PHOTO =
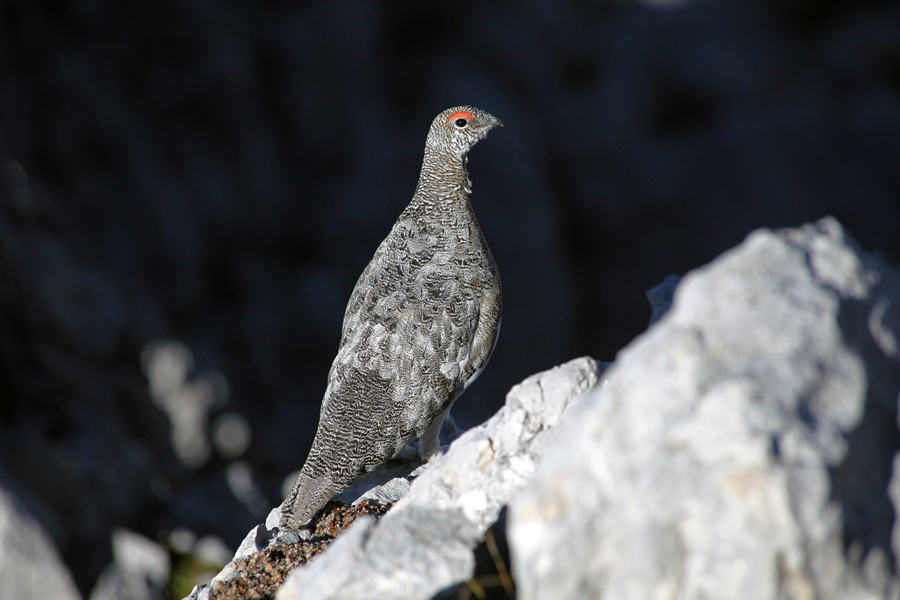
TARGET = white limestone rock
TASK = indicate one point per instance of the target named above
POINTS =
(424, 543)
(139, 571)
(742, 448)
(30, 566)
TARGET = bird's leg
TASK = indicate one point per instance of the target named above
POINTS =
(429, 442)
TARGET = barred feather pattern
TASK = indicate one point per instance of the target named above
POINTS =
(420, 325)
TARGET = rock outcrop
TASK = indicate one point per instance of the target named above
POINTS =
(425, 542)
(744, 447)
(30, 565)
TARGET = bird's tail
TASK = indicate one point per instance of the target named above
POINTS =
(307, 496)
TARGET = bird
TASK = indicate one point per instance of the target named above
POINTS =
(419, 327)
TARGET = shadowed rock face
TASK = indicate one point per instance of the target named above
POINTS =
(219, 176)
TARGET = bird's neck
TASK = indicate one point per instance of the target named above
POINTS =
(443, 182)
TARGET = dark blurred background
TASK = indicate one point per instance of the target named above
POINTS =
(191, 188)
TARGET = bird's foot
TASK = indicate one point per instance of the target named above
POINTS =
(409, 453)
(431, 451)
(415, 450)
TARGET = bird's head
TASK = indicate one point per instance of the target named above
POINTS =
(457, 129)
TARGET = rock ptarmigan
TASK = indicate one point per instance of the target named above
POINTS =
(419, 327)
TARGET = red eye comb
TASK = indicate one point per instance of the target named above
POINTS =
(460, 115)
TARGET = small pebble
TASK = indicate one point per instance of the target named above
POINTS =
(289, 538)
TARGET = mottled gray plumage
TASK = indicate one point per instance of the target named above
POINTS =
(419, 327)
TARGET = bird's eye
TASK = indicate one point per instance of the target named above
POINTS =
(461, 119)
